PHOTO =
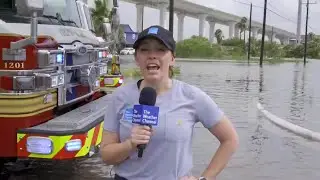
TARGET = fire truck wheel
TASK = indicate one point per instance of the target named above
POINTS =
(4, 174)
(1, 165)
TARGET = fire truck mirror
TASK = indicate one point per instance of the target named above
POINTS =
(29, 7)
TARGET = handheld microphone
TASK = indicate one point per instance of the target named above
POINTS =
(146, 113)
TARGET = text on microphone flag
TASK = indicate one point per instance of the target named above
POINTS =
(145, 115)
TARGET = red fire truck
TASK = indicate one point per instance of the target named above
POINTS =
(51, 73)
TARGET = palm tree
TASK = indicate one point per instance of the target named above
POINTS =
(311, 36)
(99, 14)
(219, 35)
(242, 25)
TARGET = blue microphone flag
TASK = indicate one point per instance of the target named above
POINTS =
(145, 115)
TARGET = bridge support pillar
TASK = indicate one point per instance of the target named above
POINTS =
(140, 8)
(212, 31)
(236, 32)
(271, 37)
(202, 20)
(232, 29)
(163, 14)
(180, 26)
(254, 31)
(284, 40)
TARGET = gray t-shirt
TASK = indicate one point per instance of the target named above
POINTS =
(168, 155)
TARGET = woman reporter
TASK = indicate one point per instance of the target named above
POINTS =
(168, 154)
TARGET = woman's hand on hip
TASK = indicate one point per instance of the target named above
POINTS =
(140, 135)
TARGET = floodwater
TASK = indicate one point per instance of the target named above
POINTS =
(266, 152)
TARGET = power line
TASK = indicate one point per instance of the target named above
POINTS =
(308, 17)
(267, 9)
(269, 3)
(288, 19)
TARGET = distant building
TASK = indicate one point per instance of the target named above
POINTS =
(129, 35)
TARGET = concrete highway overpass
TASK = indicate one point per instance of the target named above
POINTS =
(184, 8)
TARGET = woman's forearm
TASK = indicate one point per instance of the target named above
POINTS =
(115, 153)
(220, 159)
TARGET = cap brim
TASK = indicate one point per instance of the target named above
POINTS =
(138, 41)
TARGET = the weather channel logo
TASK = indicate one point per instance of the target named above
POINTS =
(145, 115)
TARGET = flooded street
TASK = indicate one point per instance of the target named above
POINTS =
(266, 152)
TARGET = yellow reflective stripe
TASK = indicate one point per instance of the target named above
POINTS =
(20, 136)
(15, 106)
(58, 144)
(27, 101)
(115, 81)
(100, 134)
(26, 115)
(23, 96)
(9, 110)
(85, 148)
(60, 141)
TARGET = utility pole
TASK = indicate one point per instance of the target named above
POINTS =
(171, 13)
(142, 18)
(306, 33)
(249, 48)
(263, 32)
(299, 22)
(272, 34)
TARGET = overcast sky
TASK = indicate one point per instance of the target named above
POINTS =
(285, 8)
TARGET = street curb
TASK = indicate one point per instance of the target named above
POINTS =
(298, 130)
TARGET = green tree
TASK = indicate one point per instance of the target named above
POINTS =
(122, 40)
(242, 25)
(313, 49)
(200, 47)
(197, 47)
(219, 35)
(99, 14)
(311, 36)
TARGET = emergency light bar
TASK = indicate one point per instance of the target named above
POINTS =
(73, 145)
(102, 54)
(39, 145)
(47, 58)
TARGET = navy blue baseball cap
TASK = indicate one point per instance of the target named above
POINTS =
(158, 32)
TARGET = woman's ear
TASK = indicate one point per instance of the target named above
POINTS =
(172, 62)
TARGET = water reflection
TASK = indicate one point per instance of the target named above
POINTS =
(258, 136)
(247, 81)
(296, 104)
(260, 80)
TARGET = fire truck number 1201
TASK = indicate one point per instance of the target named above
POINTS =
(14, 65)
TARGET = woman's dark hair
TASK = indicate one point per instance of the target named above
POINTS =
(171, 72)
